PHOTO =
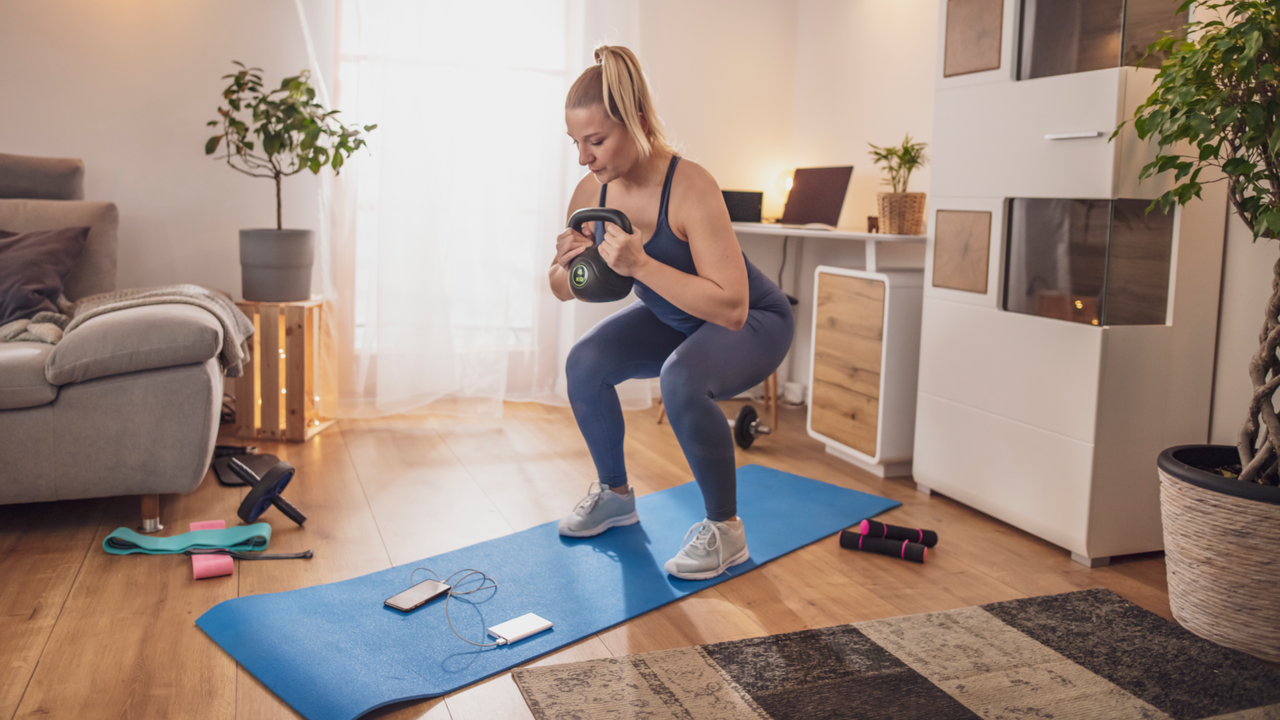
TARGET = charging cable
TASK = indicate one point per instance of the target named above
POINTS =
(486, 583)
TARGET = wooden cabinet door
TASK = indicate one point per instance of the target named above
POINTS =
(848, 343)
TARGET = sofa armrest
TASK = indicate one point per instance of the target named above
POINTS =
(134, 339)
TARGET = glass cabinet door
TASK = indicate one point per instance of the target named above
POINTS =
(1070, 36)
(1097, 262)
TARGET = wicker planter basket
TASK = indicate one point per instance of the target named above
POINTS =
(1222, 550)
(901, 213)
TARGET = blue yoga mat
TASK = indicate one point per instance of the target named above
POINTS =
(334, 652)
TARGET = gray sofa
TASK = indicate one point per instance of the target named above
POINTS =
(129, 402)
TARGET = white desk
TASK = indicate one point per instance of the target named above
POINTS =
(870, 240)
(863, 345)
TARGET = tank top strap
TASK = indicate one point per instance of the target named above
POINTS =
(666, 189)
(599, 226)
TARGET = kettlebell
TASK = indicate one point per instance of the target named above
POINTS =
(590, 277)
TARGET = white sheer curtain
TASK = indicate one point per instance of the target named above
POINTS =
(434, 262)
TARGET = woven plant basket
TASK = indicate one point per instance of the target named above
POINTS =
(901, 213)
(1222, 550)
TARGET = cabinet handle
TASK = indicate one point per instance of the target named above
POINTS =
(1073, 136)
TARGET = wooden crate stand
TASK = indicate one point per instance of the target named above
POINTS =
(281, 366)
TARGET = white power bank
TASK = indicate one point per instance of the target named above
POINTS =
(520, 628)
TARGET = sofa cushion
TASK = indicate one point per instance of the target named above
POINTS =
(22, 375)
(33, 267)
(95, 269)
(133, 339)
(45, 178)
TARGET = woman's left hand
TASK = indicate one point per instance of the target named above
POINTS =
(623, 252)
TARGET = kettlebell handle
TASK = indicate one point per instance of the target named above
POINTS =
(588, 214)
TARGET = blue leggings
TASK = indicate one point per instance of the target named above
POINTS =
(712, 363)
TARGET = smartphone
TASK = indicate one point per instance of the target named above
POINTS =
(416, 595)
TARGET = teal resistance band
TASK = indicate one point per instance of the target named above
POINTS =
(243, 538)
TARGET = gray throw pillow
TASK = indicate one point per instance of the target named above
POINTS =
(33, 266)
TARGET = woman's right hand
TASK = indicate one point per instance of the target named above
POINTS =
(570, 244)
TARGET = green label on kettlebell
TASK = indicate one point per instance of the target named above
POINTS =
(578, 276)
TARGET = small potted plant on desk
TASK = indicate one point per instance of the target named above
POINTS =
(275, 134)
(901, 212)
(1220, 504)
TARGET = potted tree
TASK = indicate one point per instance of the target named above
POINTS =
(1215, 114)
(275, 134)
(901, 212)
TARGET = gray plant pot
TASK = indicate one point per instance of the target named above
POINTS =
(275, 265)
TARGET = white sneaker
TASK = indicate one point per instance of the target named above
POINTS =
(600, 510)
(716, 547)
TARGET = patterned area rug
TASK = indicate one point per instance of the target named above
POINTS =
(1088, 654)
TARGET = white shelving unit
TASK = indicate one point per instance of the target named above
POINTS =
(1050, 425)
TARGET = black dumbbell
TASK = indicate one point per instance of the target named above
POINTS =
(265, 491)
(590, 277)
(747, 427)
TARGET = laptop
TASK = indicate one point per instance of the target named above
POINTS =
(816, 197)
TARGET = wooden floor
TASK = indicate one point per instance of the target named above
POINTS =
(84, 634)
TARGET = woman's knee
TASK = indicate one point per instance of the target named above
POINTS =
(681, 383)
(586, 363)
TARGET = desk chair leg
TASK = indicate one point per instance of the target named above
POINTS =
(151, 514)
(771, 398)
(662, 412)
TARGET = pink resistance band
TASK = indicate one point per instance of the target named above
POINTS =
(211, 566)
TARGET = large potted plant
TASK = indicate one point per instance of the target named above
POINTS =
(274, 134)
(901, 212)
(1214, 114)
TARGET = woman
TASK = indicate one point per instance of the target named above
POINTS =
(708, 323)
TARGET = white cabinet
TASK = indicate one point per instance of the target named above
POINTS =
(1050, 418)
(866, 344)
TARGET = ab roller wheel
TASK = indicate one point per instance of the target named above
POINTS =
(265, 491)
(590, 277)
(747, 427)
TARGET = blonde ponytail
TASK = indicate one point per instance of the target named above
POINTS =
(617, 76)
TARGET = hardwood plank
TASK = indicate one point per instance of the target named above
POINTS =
(810, 588)
(423, 497)
(125, 644)
(706, 617)
(42, 548)
(526, 481)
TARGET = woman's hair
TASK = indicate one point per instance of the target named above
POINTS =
(617, 76)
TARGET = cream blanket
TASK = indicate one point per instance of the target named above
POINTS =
(50, 327)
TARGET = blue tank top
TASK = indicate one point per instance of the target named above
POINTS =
(665, 247)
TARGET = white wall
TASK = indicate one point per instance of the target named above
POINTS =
(722, 72)
(127, 86)
(864, 74)
(1247, 272)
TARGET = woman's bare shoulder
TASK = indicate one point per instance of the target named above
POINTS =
(695, 181)
(696, 200)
